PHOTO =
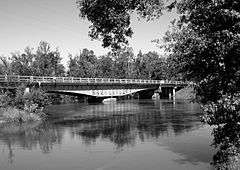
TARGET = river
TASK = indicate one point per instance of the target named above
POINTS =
(122, 135)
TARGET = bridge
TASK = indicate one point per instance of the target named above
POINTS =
(94, 88)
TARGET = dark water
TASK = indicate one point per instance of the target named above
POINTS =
(126, 135)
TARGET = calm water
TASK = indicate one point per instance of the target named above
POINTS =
(129, 135)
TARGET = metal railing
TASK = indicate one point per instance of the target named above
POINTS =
(38, 79)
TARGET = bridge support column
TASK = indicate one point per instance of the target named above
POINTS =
(170, 95)
(174, 92)
(159, 91)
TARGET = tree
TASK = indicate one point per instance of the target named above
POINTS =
(206, 44)
(111, 18)
(5, 66)
(172, 69)
(123, 59)
(73, 66)
(155, 66)
(47, 61)
(140, 67)
(22, 64)
(105, 67)
(149, 66)
(43, 62)
(83, 65)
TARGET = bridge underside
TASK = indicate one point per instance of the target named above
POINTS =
(100, 93)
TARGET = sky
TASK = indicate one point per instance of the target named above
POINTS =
(27, 22)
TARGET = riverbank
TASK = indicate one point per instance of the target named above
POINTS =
(187, 93)
(20, 106)
(14, 115)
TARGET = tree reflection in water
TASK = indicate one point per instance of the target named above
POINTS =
(30, 136)
(146, 121)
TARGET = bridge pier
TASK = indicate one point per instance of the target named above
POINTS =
(174, 93)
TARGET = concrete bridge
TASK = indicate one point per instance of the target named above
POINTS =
(95, 88)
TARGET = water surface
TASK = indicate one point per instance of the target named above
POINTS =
(126, 135)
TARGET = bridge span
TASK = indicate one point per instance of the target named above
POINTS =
(96, 88)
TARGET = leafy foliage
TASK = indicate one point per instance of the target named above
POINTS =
(105, 67)
(34, 97)
(5, 66)
(226, 138)
(83, 65)
(120, 64)
(123, 61)
(111, 18)
(205, 42)
(18, 116)
(47, 61)
(21, 106)
(6, 99)
(43, 62)
(22, 64)
(225, 110)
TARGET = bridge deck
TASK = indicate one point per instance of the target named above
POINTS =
(78, 80)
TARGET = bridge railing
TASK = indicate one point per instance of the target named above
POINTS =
(17, 78)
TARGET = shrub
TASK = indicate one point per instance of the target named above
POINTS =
(35, 96)
(225, 110)
(11, 114)
(6, 99)
(21, 106)
(224, 115)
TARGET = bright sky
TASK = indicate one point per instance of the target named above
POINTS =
(26, 22)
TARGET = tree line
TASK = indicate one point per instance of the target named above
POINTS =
(46, 61)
